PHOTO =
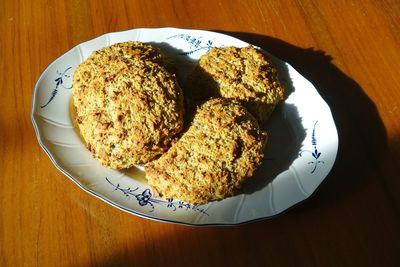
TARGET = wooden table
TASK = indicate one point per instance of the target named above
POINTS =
(348, 49)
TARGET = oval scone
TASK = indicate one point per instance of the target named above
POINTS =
(220, 150)
(128, 109)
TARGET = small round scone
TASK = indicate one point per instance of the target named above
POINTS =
(220, 150)
(244, 74)
(128, 110)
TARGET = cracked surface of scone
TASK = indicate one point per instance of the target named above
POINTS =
(220, 150)
(130, 50)
(128, 109)
(244, 74)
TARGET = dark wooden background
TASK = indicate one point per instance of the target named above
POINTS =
(348, 49)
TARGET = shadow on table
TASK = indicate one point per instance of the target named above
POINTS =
(362, 140)
(362, 136)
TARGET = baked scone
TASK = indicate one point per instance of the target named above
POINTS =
(128, 109)
(220, 150)
(131, 50)
(244, 74)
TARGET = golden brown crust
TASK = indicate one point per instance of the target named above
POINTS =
(244, 74)
(221, 149)
(128, 107)
(131, 50)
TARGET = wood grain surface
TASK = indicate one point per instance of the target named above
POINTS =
(348, 49)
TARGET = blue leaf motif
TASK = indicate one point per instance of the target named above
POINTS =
(59, 82)
(52, 96)
(313, 137)
(315, 154)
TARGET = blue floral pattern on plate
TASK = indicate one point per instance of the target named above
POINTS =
(196, 44)
(59, 82)
(315, 154)
(146, 199)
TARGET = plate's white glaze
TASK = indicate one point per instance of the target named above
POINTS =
(301, 150)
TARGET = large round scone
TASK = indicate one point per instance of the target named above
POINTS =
(128, 110)
(220, 150)
(244, 74)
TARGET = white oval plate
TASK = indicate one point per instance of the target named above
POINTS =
(301, 149)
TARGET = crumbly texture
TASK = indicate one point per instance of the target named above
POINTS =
(220, 150)
(131, 50)
(128, 108)
(244, 74)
